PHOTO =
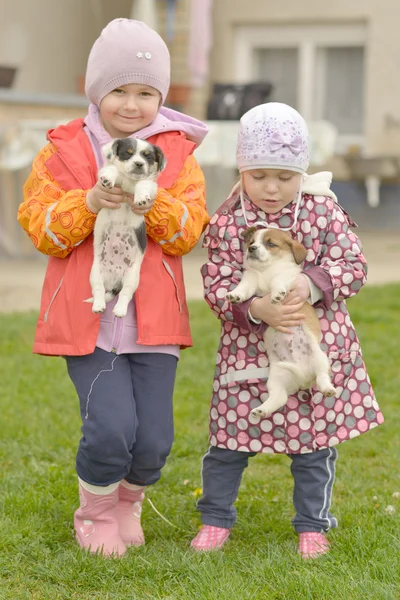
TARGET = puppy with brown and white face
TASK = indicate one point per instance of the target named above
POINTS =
(272, 261)
(120, 235)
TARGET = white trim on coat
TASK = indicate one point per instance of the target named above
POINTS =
(243, 375)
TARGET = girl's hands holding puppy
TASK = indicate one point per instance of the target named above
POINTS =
(286, 314)
(281, 316)
(300, 291)
(100, 197)
(139, 210)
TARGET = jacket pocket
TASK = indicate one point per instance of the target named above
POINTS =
(342, 365)
(46, 314)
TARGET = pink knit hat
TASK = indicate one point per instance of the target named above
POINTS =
(127, 51)
(272, 136)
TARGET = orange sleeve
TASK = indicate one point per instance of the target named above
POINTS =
(56, 221)
(179, 214)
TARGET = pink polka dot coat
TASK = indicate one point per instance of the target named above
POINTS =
(335, 263)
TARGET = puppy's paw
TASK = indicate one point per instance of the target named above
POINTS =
(145, 193)
(120, 311)
(324, 385)
(278, 296)
(99, 306)
(142, 200)
(234, 297)
(106, 182)
(260, 412)
(330, 392)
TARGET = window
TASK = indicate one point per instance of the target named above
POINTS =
(318, 69)
(279, 66)
(341, 99)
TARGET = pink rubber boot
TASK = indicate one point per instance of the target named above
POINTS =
(95, 522)
(129, 509)
(312, 544)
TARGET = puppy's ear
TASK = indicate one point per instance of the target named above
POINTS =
(110, 150)
(247, 233)
(160, 158)
(298, 250)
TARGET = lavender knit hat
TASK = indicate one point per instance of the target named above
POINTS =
(272, 136)
(127, 51)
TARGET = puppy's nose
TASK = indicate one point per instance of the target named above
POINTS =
(138, 164)
(252, 249)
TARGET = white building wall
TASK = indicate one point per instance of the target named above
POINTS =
(49, 40)
(380, 19)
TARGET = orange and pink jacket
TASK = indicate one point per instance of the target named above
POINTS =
(56, 218)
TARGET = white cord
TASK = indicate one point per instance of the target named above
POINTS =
(162, 516)
(264, 223)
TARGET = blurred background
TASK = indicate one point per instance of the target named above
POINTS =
(336, 62)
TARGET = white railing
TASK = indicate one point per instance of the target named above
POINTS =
(20, 142)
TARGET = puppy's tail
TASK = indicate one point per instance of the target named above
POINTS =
(107, 297)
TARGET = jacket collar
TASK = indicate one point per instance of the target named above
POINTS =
(75, 151)
(166, 120)
(78, 163)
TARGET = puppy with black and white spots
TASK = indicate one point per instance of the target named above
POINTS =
(272, 262)
(120, 235)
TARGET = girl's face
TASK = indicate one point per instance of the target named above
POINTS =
(271, 189)
(128, 109)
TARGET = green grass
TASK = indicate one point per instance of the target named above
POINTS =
(40, 430)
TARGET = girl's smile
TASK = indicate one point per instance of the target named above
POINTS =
(129, 108)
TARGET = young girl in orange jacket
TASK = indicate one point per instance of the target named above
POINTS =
(123, 369)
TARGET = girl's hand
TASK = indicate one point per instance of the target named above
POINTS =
(279, 316)
(300, 291)
(99, 197)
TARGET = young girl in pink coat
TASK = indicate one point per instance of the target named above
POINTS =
(274, 191)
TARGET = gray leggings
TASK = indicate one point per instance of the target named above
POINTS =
(127, 419)
(313, 475)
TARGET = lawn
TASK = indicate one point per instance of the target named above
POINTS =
(39, 434)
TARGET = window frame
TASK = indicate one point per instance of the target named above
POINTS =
(307, 39)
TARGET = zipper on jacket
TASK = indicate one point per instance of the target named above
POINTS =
(116, 339)
(170, 272)
(46, 314)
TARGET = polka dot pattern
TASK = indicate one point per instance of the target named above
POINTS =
(309, 421)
